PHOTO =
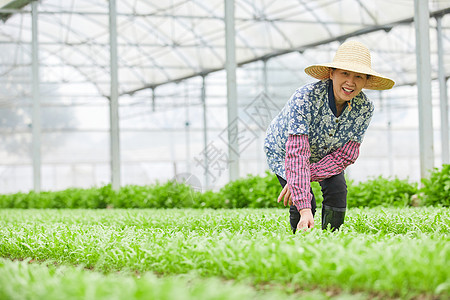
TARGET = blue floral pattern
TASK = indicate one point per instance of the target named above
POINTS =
(308, 112)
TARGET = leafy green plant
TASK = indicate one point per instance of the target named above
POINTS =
(381, 192)
(258, 192)
(208, 199)
(317, 191)
(436, 189)
(389, 248)
(251, 191)
(30, 280)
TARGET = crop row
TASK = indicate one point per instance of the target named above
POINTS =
(25, 280)
(378, 221)
(396, 252)
(251, 191)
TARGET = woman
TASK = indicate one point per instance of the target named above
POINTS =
(318, 134)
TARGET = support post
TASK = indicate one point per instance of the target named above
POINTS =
(261, 162)
(205, 131)
(390, 147)
(153, 100)
(187, 128)
(233, 129)
(36, 118)
(265, 81)
(443, 95)
(114, 99)
(421, 21)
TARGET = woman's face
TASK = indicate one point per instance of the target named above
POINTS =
(347, 84)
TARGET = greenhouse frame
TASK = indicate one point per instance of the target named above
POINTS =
(137, 92)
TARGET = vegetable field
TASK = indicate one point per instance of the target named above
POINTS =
(383, 253)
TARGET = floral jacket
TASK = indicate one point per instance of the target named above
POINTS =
(308, 113)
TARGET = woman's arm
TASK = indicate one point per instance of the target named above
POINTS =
(298, 178)
(298, 170)
(335, 162)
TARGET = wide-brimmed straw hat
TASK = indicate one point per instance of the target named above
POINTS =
(352, 56)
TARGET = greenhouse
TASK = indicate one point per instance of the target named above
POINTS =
(224, 149)
(134, 92)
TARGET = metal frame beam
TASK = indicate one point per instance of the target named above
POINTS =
(232, 109)
(421, 22)
(114, 99)
(205, 131)
(366, 30)
(442, 95)
(36, 121)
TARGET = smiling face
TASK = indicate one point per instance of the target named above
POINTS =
(346, 84)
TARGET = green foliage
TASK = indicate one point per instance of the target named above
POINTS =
(436, 189)
(207, 199)
(28, 280)
(250, 191)
(69, 198)
(388, 253)
(381, 192)
(168, 195)
(317, 191)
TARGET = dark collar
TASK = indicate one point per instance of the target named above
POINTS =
(331, 101)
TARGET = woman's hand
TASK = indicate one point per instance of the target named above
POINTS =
(286, 193)
(306, 219)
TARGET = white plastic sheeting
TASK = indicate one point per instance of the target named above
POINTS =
(161, 41)
(159, 44)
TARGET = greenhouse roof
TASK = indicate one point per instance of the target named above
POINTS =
(168, 41)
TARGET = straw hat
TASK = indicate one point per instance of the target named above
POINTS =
(352, 56)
